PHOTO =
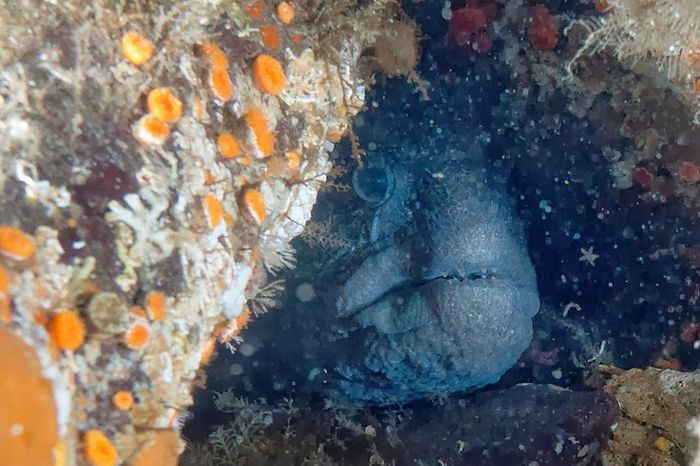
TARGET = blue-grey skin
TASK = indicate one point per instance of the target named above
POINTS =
(445, 302)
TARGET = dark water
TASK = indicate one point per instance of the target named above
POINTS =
(608, 292)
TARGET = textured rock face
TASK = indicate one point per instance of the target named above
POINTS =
(527, 424)
(445, 301)
(156, 157)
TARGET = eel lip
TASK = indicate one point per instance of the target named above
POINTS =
(482, 279)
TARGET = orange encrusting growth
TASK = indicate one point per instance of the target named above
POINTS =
(294, 160)
(689, 172)
(67, 330)
(270, 37)
(5, 281)
(228, 218)
(264, 139)
(220, 83)
(335, 135)
(138, 311)
(16, 244)
(164, 104)
(214, 54)
(243, 319)
(98, 449)
(155, 305)
(162, 450)
(285, 12)
(5, 311)
(254, 205)
(224, 333)
(208, 352)
(151, 130)
(228, 145)
(602, 6)
(213, 209)
(26, 400)
(256, 10)
(268, 74)
(123, 400)
(138, 335)
(197, 108)
(136, 48)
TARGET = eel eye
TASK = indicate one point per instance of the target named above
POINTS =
(374, 184)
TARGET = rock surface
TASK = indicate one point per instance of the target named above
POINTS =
(156, 157)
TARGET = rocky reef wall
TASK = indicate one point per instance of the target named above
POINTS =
(157, 157)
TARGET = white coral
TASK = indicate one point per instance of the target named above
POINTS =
(153, 241)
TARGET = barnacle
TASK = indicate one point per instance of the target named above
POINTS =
(123, 400)
(136, 48)
(138, 335)
(285, 12)
(107, 313)
(228, 145)
(151, 130)
(67, 330)
(155, 304)
(264, 139)
(214, 54)
(99, 449)
(220, 83)
(164, 104)
(254, 204)
(213, 210)
(268, 74)
(16, 244)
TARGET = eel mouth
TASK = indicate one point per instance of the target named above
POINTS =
(355, 298)
(347, 306)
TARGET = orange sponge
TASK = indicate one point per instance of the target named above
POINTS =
(28, 430)
(264, 139)
(99, 449)
(16, 244)
(67, 330)
(136, 48)
(268, 74)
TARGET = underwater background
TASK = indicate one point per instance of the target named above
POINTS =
(349, 232)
